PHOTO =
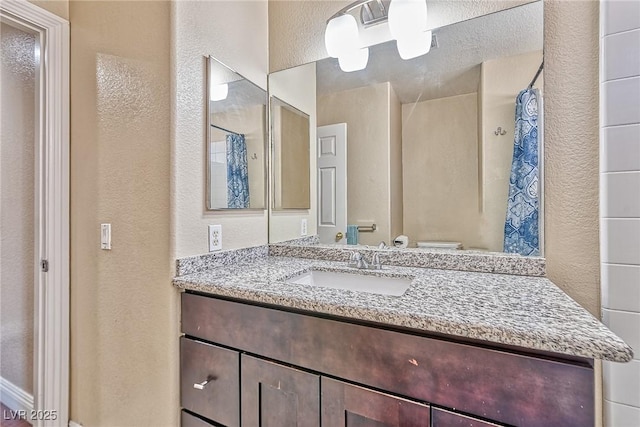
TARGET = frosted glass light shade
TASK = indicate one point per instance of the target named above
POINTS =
(407, 17)
(219, 92)
(354, 60)
(341, 35)
(414, 45)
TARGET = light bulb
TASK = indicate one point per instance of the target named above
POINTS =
(341, 35)
(219, 92)
(407, 17)
(354, 60)
(412, 46)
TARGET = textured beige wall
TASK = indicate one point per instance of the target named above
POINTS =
(366, 112)
(57, 7)
(440, 159)
(235, 33)
(297, 87)
(296, 27)
(571, 49)
(124, 311)
(17, 205)
(502, 80)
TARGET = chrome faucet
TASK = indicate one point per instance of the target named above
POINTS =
(358, 261)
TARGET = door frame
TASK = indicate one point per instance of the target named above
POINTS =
(51, 347)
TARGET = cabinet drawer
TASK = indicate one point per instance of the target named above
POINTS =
(498, 385)
(442, 418)
(219, 398)
(349, 405)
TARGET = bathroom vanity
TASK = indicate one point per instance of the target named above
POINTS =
(456, 349)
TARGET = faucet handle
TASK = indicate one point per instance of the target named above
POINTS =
(375, 261)
(354, 258)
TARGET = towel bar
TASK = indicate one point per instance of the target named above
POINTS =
(367, 228)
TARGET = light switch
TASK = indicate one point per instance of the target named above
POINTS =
(105, 237)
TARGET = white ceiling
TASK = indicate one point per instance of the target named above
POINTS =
(451, 69)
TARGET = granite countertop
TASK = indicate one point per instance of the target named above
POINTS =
(529, 312)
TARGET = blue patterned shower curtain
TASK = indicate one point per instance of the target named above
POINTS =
(237, 172)
(521, 226)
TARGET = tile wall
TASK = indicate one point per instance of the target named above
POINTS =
(620, 202)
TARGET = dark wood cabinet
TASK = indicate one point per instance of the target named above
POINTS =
(443, 418)
(273, 395)
(190, 420)
(210, 381)
(348, 405)
(300, 369)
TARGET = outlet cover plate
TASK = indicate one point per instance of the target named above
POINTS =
(303, 227)
(215, 237)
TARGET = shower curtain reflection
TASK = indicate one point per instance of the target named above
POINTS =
(237, 172)
(521, 226)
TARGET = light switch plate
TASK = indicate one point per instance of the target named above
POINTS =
(303, 227)
(105, 237)
(215, 237)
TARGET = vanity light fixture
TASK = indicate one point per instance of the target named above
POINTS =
(408, 25)
(380, 20)
(343, 42)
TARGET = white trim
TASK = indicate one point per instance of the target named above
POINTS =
(15, 398)
(74, 424)
(51, 372)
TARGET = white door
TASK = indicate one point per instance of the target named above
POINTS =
(34, 210)
(332, 183)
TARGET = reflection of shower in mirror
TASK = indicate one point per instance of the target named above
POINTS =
(423, 158)
(236, 127)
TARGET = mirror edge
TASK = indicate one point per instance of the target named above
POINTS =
(272, 154)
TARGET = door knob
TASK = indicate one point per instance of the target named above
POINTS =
(339, 236)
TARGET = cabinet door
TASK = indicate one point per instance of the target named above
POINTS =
(188, 420)
(442, 418)
(273, 395)
(352, 406)
(210, 381)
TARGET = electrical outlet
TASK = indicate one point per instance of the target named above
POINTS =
(215, 238)
(303, 227)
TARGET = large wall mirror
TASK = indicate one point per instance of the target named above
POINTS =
(429, 142)
(236, 140)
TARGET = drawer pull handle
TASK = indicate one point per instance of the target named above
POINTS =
(201, 386)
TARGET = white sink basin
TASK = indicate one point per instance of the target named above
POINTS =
(382, 285)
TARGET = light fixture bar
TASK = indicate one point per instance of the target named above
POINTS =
(403, 20)
(380, 5)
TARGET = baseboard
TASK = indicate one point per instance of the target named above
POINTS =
(74, 424)
(14, 397)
